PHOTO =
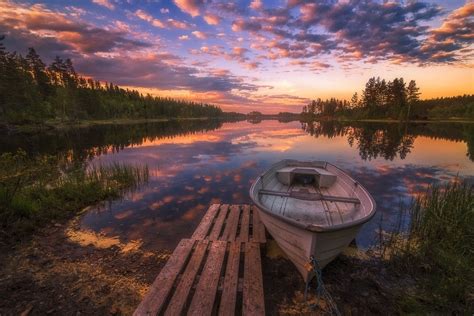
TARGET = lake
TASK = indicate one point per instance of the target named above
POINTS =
(195, 163)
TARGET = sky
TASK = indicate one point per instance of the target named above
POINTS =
(269, 56)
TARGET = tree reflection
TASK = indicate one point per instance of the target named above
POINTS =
(390, 140)
(86, 143)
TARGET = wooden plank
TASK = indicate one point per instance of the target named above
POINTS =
(206, 289)
(244, 224)
(231, 281)
(203, 228)
(309, 196)
(258, 228)
(180, 296)
(217, 228)
(230, 230)
(253, 302)
(156, 297)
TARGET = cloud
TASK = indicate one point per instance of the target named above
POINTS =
(147, 17)
(178, 24)
(360, 30)
(183, 37)
(192, 7)
(211, 19)
(199, 34)
(164, 10)
(105, 3)
(162, 71)
(256, 4)
(36, 22)
(449, 42)
(169, 23)
(246, 25)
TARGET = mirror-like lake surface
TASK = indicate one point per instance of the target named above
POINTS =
(195, 163)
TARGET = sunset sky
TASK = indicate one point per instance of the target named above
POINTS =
(268, 56)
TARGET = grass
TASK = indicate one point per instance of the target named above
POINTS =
(35, 191)
(437, 251)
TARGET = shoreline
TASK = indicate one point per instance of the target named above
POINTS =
(54, 125)
(64, 269)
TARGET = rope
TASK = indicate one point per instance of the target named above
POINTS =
(321, 291)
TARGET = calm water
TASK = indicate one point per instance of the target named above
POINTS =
(196, 163)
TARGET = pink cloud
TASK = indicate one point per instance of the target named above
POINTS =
(105, 3)
(192, 7)
(199, 34)
(212, 19)
(36, 22)
(256, 4)
(169, 23)
(147, 17)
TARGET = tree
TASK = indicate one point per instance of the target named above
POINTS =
(38, 69)
(413, 95)
(355, 100)
(370, 95)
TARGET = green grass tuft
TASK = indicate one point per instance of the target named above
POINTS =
(34, 191)
(438, 251)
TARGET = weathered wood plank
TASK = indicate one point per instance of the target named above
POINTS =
(309, 196)
(180, 296)
(258, 228)
(217, 228)
(206, 290)
(244, 224)
(203, 228)
(232, 223)
(156, 297)
(231, 282)
(253, 302)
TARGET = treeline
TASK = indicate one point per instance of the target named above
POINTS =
(391, 99)
(31, 91)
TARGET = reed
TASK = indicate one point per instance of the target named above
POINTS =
(437, 250)
(35, 191)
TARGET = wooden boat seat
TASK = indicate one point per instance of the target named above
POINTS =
(310, 196)
(322, 177)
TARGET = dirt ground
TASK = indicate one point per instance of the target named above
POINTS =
(63, 271)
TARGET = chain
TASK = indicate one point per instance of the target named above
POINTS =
(321, 291)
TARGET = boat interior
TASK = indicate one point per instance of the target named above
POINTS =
(311, 194)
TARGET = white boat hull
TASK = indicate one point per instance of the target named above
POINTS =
(321, 225)
(299, 244)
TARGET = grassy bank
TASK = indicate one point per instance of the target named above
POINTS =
(35, 191)
(437, 251)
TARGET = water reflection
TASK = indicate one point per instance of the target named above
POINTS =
(88, 142)
(195, 163)
(389, 140)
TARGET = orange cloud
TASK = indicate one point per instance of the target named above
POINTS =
(212, 19)
(192, 7)
(105, 3)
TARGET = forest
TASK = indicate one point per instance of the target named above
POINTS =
(33, 92)
(394, 99)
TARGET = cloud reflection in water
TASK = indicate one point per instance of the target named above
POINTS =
(187, 173)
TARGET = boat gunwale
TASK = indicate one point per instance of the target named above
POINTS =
(313, 227)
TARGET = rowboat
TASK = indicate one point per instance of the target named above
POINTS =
(311, 209)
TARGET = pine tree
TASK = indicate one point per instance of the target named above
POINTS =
(413, 95)
(355, 100)
(38, 69)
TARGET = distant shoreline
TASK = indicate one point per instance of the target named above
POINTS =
(57, 125)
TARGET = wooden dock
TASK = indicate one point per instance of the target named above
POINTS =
(218, 271)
